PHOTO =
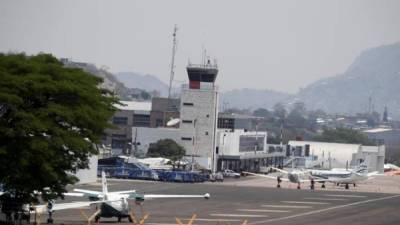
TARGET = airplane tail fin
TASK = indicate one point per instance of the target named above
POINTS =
(104, 182)
(362, 169)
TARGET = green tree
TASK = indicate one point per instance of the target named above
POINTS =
(297, 116)
(166, 148)
(51, 117)
(343, 135)
(280, 111)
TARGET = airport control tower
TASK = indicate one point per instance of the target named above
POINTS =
(199, 113)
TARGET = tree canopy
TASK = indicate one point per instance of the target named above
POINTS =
(343, 135)
(50, 119)
(166, 148)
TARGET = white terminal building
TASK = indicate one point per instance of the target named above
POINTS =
(336, 155)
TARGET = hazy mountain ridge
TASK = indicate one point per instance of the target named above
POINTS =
(252, 98)
(374, 74)
(147, 82)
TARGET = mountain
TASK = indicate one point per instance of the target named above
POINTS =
(252, 98)
(110, 82)
(149, 83)
(371, 82)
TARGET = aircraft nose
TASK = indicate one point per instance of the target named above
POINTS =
(207, 196)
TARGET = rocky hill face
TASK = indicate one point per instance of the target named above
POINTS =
(146, 82)
(110, 82)
(370, 83)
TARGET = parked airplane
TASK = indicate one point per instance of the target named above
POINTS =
(112, 204)
(334, 176)
(116, 203)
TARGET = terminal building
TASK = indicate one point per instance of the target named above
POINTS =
(334, 155)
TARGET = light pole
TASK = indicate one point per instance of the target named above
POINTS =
(193, 142)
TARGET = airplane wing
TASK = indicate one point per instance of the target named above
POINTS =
(267, 176)
(123, 192)
(151, 196)
(374, 173)
(88, 191)
(62, 206)
(85, 193)
(280, 170)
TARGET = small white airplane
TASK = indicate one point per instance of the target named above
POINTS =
(115, 204)
(112, 204)
(334, 176)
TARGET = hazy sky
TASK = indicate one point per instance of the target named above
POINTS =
(280, 45)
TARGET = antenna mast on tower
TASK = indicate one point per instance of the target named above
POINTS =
(172, 72)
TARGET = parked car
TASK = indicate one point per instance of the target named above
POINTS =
(231, 173)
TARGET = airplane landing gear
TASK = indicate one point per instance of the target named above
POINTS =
(354, 184)
(279, 182)
(50, 219)
(312, 186)
(96, 219)
(323, 185)
(347, 186)
(119, 219)
(298, 186)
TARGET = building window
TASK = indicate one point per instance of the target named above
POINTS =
(187, 121)
(118, 141)
(140, 120)
(120, 120)
(186, 138)
(251, 143)
(159, 122)
(188, 103)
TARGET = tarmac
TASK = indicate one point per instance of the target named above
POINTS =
(257, 201)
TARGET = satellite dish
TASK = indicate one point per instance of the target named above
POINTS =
(173, 122)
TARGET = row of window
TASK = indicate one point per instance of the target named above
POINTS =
(138, 120)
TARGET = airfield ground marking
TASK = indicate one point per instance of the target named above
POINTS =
(327, 199)
(347, 196)
(190, 222)
(311, 203)
(288, 206)
(324, 210)
(215, 220)
(237, 215)
(263, 210)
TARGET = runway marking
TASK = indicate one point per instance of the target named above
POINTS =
(347, 196)
(263, 210)
(327, 199)
(288, 206)
(215, 220)
(238, 215)
(311, 203)
(163, 224)
(324, 210)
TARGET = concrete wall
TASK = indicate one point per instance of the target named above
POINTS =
(199, 105)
